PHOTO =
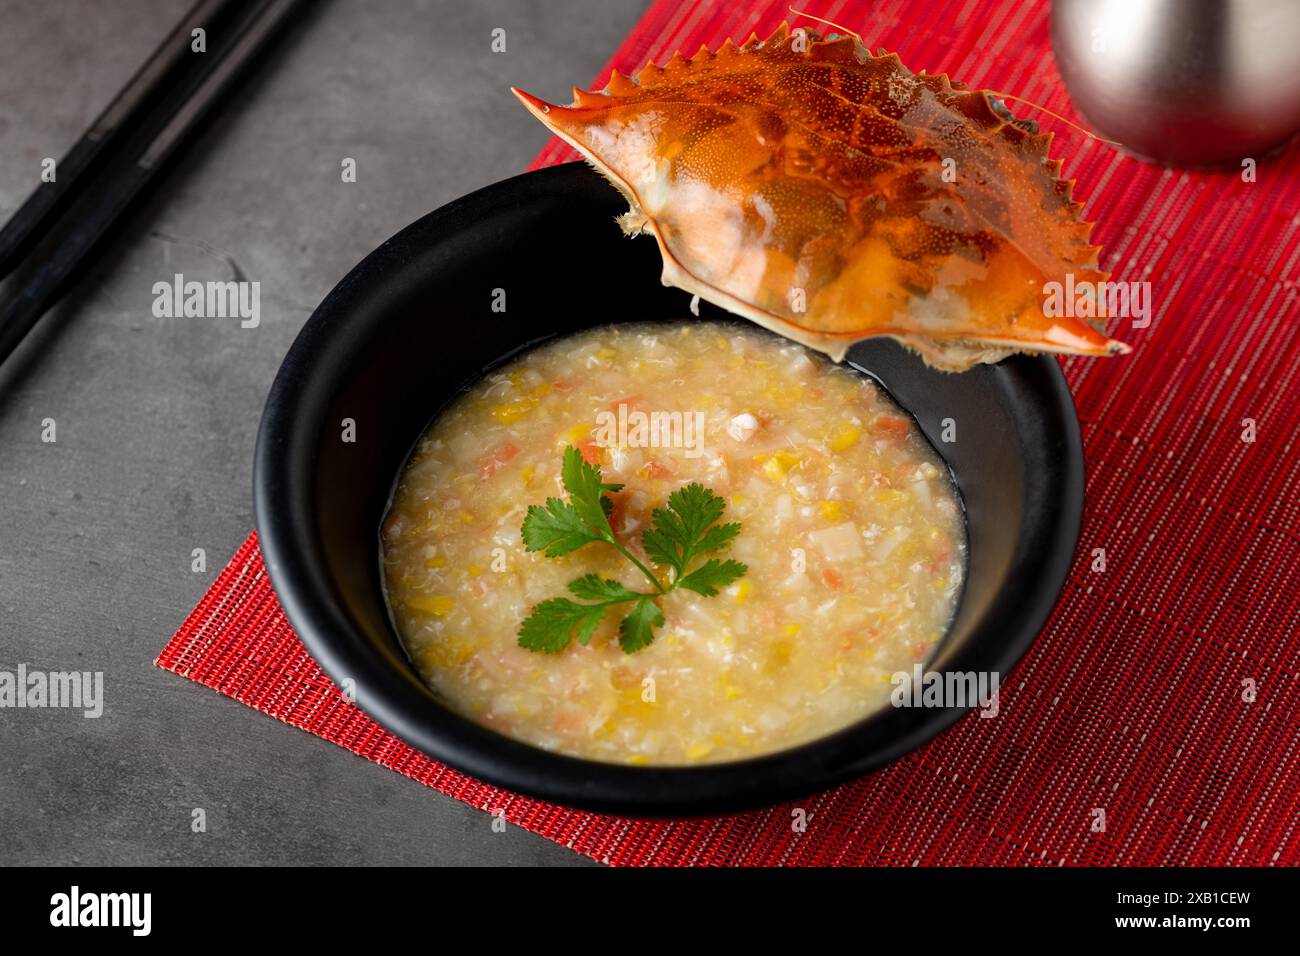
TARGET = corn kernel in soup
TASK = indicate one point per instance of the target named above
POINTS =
(851, 531)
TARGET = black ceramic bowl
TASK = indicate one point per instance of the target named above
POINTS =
(412, 326)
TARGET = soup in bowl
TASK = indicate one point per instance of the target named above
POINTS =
(850, 532)
(420, 330)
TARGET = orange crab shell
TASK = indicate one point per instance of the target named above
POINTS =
(831, 195)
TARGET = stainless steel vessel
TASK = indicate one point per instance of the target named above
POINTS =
(1191, 82)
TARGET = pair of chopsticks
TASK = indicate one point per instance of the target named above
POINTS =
(127, 149)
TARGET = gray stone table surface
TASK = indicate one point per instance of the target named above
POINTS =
(155, 418)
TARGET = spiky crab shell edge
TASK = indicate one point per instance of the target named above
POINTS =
(836, 347)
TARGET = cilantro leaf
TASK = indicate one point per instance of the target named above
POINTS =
(697, 507)
(682, 530)
(564, 526)
(661, 546)
(686, 528)
(549, 628)
(592, 587)
(716, 538)
(558, 528)
(637, 629)
(586, 491)
(712, 575)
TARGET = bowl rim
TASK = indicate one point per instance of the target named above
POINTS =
(287, 537)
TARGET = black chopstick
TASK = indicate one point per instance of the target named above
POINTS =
(126, 177)
(142, 93)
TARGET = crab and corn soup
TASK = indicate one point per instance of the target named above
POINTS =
(671, 544)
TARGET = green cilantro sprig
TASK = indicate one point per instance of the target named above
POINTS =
(685, 530)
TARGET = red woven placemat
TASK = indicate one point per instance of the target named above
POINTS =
(1132, 700)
